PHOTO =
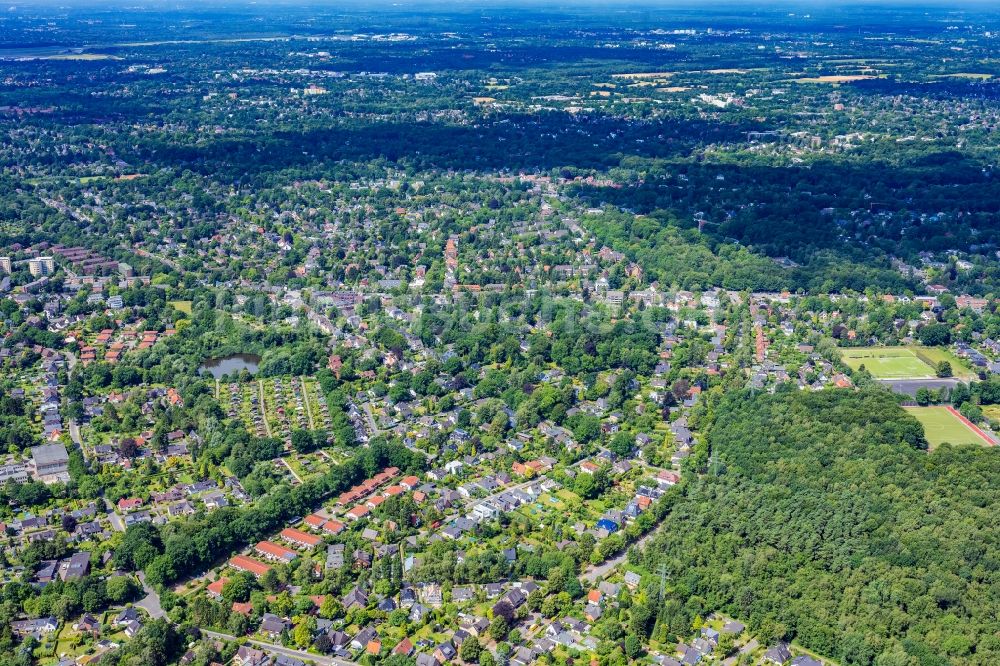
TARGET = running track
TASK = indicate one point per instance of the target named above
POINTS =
(971, 426)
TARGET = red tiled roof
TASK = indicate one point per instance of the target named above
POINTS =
(274, 550)
(298, 536)
(315, 520)
(242, 609)
(244, 563)
(360, 511)
(333, 527)
(215, 587)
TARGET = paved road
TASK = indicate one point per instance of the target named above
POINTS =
(70, 361)
(74, 433)
(273, 649)
(151, 602)
(744, 649)
(116, 521)
(74, 427)
(602, 569)
(373, 428)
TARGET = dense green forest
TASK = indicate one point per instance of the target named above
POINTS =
(824, 520)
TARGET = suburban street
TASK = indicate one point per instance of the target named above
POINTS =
(273, 649)
(595, 571)
(74, 427)
(74, 433)
(151, 602)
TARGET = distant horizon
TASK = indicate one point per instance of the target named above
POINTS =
(436, 5)
(58, 24)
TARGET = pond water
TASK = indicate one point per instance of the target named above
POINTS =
(230, 365)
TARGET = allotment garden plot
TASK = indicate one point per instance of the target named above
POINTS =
(276, 406)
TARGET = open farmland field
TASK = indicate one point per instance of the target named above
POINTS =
(975, 76)
(643, 75)
(943, 424)
(836, 79)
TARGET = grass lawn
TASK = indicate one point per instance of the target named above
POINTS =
(551, 501)
(888, 362)
(941, 426)
(67, 640)
(568, 496)
(914, 362)
(183, 306)
(934, 355)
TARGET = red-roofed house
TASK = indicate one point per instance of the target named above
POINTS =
(215, 588)
(243, 608)
(358, 512)
(300, 538)
(275, 552)
(315, 521)
(333, 527)
(403, 647)
(129, 503)
(244, 563)
(667, 478)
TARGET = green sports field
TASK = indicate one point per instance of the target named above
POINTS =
(888, 362)
(941, 426)
(903, 362)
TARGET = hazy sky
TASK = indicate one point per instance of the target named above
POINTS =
(751, 5)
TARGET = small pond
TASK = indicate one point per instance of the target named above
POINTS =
(230, 365)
